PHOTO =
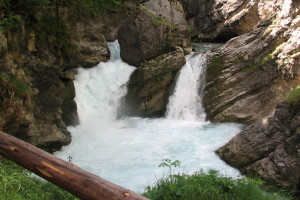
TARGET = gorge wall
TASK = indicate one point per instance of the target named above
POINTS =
(37, 72)
(247, 77)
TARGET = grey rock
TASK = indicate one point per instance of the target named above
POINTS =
(151, 84)
(152, 32)
(270, 149)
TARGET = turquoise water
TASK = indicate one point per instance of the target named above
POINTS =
(128, 151)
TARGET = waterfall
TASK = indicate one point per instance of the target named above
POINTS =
(186, 101)
(127, 151)
(99, 89)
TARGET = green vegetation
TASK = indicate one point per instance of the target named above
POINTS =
(210, 186)
(180, 9)
(15, 184)
(158, 20)
(20, 88)
(215, 67)
(162, 21)
(263, 61)
(189, 28)
(293, 98)
(55, 36)
(44, 18)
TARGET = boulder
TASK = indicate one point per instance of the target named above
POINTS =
(269, 148)
(151, 84)
(156, 29)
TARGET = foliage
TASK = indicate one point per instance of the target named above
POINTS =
(11, 22)
(210, 186)
(18, 87)
(54, 35)
(293, 98)
(44, 17)
(169, 164)
(15, 184)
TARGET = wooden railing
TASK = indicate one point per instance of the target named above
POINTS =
(66, 175)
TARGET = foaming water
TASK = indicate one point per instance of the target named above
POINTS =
(185, 103)
(128, 151)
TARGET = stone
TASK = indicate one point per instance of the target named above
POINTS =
(171, 11)
(269, 148)
(246, 76)
(153, 32)
(31, 46)
(151, 84)
(3, 43)
(222, 20)
(92, 47)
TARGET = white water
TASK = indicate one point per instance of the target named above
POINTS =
(128, 151)
(185, 103)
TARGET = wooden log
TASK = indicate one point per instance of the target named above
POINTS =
(66, 175)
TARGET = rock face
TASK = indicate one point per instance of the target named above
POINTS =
(150, 85)
(31, 106)
(248, 76)
(270, 148)
(36, 86)
(157, 28)
(221, 20)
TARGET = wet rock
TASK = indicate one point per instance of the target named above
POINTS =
(151, 84)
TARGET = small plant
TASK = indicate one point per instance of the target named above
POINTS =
(168, 163)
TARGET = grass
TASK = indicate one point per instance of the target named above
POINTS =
(208, 186)
(15, 184)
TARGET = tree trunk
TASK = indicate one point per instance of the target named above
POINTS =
(82, 184)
